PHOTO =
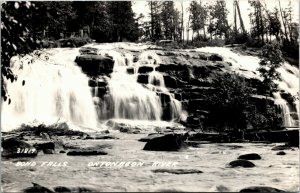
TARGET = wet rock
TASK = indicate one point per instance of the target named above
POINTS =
(169, 142)
(142, 78)
(88, 50)
(83, 152)
(57, 129)
(130, 129)
(48, 151)
(192, 121)
(261, 189)
(94, 65)
(62, 189)
(43, 146)
(203, 57)
(250, 156)
(178, 171)
(83, 189)
(88, 137)
(92, 83)
(97, 83)
(105, 137)
(281, 147)
(14, 147)
(145, 69)
(215, 57)
(37, 188)
(149, 137)
(123, 127)
(241, 163)
(281, 153)
(170, 81)
(130, 70)
(287, 96)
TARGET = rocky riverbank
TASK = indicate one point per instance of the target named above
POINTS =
(137, 114)
(48, 156)
(188, 75)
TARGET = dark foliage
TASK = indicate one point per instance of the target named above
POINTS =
(16, 18)
(230, 101)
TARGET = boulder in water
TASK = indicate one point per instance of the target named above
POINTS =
(241, 163)
(88, 50)
(94, 65)
(46, 145)
(260, 189)
(169, 142)
(62, 189)
(250, 156)
(281, 147)
(104, 136)
(84, 152)
(178, 171)
(281, 153)
(37, 188)
(215, 57)
(14, 147)
(150, 136)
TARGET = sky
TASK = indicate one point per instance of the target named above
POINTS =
(142, 7)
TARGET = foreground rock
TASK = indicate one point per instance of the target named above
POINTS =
(37, 188)
(250, 156)
(281, 147)
(178, 171)
(170, 142)
(261, 189)
(281, 153)
(241, 163)
(63, 189)
(150, 137)
(14, 147)
(82, 152)
(47, 147)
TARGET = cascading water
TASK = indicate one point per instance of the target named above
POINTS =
(285, 111)
(127, 99)
(248, 65)
(156, 79)
(55, 90)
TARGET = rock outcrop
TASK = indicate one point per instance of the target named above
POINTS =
(261, 189)
(14, 147)
(250, 156)
(241, 163)
(95, 65)
(169, 142)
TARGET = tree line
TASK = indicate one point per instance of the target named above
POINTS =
(25, 24)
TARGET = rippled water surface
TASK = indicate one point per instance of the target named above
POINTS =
(272, 170)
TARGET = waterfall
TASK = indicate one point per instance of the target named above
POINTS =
(285, 110)
(55, 89)
(157, 79)
(248, 65)
(128, 99)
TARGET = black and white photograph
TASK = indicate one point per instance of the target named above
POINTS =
(150, 96)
